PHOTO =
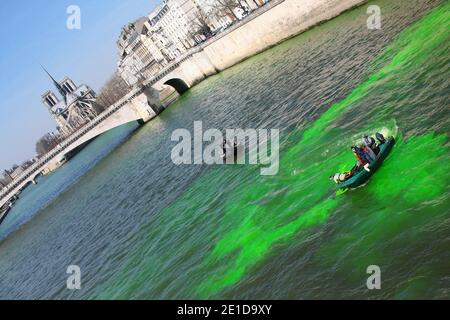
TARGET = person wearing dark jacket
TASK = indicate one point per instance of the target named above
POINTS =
(363, 158)
(369, 142)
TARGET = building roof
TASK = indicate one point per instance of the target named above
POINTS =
(56, 84)
(133, 30)
(130, 33)
(157, 13)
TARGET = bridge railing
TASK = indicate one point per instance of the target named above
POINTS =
(39, 165)
(33, 169)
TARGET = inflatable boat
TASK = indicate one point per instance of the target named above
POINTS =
(362, 176)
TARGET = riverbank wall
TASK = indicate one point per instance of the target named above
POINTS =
(266, 27)
(273, 24)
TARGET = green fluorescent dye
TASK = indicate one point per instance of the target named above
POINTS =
(418, 166)
(416, 172)
(273, 210)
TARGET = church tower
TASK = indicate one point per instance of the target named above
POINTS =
(74, 106)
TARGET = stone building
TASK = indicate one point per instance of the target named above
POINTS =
(150, 43)
(73, 107)
(139, 56)
(5, 178)
(170, 22)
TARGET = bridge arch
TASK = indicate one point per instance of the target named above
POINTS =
(178, 84)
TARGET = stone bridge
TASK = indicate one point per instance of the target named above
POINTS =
(141, 104)
(276, 21)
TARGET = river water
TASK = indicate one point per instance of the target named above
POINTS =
(140, 227)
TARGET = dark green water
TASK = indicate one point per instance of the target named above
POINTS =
(140, 227)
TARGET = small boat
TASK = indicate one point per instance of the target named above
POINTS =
(229, 151)
(362, 176)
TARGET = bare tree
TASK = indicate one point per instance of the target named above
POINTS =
(113, 90)
(225, 8)
(243, 5)
(46, 143)
(200, 25)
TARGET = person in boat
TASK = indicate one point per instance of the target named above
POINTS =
(380, 138)
(363, 159)
(361, 156)
(369, 142)
(369, 153)
(341, 177)
(226, 146)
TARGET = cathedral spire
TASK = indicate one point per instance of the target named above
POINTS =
(57, 85)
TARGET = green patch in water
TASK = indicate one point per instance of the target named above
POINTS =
(415, 173)
(270, 212)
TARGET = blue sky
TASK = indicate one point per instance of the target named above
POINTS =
(34, 32)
